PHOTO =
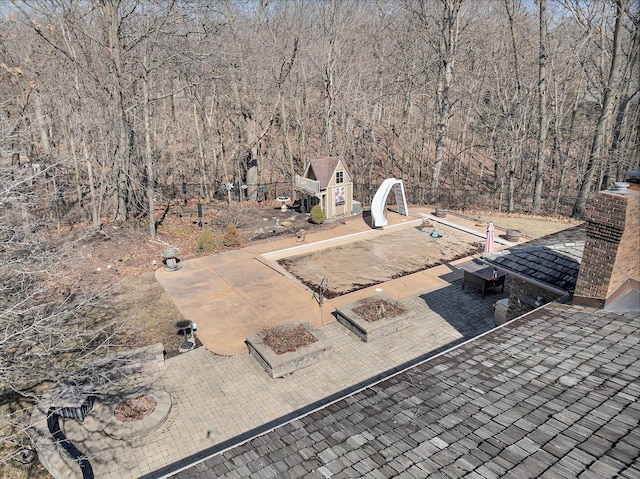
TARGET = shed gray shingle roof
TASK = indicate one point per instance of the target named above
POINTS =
(552, 394)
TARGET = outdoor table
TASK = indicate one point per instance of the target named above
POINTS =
(481, 276)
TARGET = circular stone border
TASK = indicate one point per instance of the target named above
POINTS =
(127, 430)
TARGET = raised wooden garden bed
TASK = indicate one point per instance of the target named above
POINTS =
(374, 317)
(291, 347)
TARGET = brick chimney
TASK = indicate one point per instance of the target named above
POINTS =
(611, 258)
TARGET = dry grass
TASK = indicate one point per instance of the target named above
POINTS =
(149, 312)
(530, 226)
(16, 470)
(10, 403)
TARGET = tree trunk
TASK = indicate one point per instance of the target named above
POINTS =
(542, 99)
(76, 167)
(120, 160)
(42, 126)
(518, 114)
(329, 94)
(204, 180)
(148, 151)
(608, 103)
(287, 148)
(448, 47)
(616, 154)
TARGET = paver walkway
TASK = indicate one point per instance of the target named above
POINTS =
(219, 401)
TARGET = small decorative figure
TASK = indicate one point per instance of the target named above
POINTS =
(488, 245)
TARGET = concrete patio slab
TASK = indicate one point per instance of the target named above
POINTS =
(233, 294)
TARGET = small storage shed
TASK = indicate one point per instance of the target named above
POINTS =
(326, 182)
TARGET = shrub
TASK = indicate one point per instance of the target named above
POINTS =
(231, 236)
(317, 215)
(207, 242)
(233, 215)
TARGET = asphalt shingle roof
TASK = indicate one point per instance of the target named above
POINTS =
(323, 168)
(553, 260)
(553, 394)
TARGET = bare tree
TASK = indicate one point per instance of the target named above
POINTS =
(542, 112)
(195, 90)
(608, 105)
(53, 333)
(447, 51)
(620, 157)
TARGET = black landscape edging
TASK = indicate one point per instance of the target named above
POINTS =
(53, 423)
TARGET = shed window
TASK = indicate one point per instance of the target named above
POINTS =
(339, 177)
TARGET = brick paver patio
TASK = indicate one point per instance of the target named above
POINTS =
(219, 401)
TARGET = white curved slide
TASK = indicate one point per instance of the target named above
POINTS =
(380, 200)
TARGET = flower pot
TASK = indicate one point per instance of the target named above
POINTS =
(368, 331)
(513, 235)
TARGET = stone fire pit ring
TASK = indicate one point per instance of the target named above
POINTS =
(513, 235)
(105, 412)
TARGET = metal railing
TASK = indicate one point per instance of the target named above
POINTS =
(307, 184)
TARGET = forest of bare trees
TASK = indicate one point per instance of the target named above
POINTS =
(533, 104)
(112, 109)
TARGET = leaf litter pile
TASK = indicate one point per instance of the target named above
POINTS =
(134, 409)
(285, 340)
(374, 309)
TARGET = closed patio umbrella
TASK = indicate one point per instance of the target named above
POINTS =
(488, 245)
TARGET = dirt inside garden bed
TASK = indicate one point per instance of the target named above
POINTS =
(375, 309)
(392, 255)
(286, 339)
(135, 409)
